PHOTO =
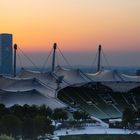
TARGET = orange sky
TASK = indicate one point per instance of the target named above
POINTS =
(76, 25)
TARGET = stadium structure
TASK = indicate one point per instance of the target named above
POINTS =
(104, 94)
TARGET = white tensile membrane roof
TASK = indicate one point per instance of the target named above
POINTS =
(16, 86)
(131, 78)
(106, 75)
(46, 78)
(46, 84)
(71, 76)
(112, 75)
(30, 97)
(116, 81)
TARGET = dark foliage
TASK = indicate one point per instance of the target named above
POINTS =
(60, 115)
(130, 117)
(25, 121)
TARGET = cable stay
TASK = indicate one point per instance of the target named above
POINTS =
(46, 60)
(27, 57)
(100, 53)
(19, 58)
(105, 58)
(65, 59)
(57, 59)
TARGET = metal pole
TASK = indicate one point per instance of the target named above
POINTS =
(53, 60)
(99, 58)
(15, 49)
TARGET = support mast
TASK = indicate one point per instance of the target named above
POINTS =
(15, 50)
(53, 60)
(99, 59)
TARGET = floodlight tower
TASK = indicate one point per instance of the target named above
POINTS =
(53, 60)
(99, 58)
(15, 53)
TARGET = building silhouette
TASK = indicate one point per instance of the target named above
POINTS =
(6, 54)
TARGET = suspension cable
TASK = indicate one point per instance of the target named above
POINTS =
(57, 59)
(27, 57)
(64, 58)
(94, 61)
(20, 62)
(106, 59)
(46, 61)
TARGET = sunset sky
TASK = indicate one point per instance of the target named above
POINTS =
(76, 25)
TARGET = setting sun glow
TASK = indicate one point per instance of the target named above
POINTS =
(76, 25)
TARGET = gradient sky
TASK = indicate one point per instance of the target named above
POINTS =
(76, 25)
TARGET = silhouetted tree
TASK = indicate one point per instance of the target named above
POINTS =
(39, 125)
(60, 114)
(27, 121)
(26, 110)
(10, 125)
(28, 128)
(33, 110)
(45, 111)
(128, 118)
(42, 125)
(17, 110)
(77, 115)
(138, 113)
(85, 115)
(2, 110)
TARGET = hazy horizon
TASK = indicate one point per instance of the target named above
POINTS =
(115, 59)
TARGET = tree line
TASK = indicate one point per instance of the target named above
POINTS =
(28, 121)
(33, 121)
(130, 118)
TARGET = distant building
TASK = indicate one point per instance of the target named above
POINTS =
(6, 54)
